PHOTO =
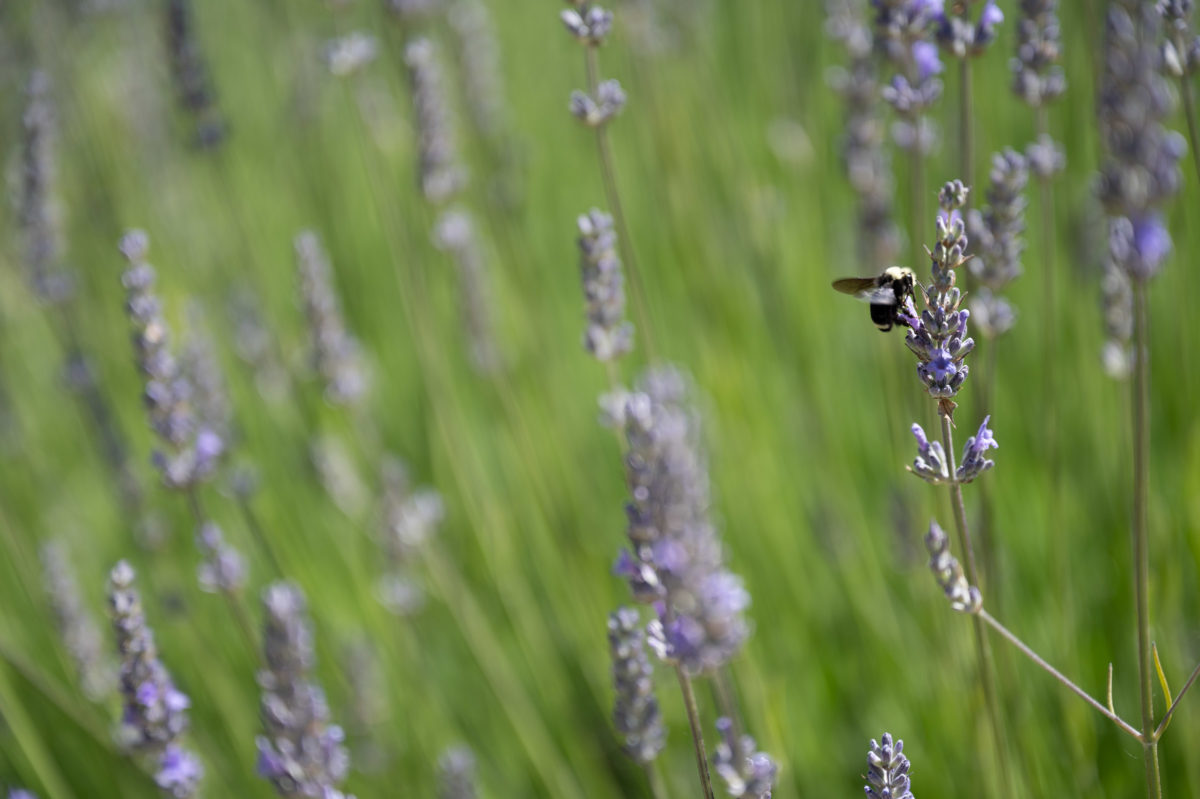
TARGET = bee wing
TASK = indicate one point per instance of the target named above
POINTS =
(867, 289)
(856, 285)
(880, 295)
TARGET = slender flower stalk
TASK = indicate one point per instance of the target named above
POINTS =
(590, 24)
(80, 635)
(864, 158)
(301, 753)
(155, 711)
(1134, 183)
(887, 769)
(456, 774)
(940, 340)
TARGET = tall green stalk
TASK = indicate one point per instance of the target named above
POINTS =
(1141, 565)
(982, 651)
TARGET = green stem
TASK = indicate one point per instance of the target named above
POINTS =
(1058, 675)
(658, 788)
(982, 651)
(917, 184)
(1141, 559)
(613, 197)
(1189, 112)
(693, 714)
(966, 133)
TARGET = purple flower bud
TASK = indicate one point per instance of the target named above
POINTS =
(974, 462)
(887, 770)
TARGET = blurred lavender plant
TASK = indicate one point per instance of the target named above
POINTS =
(1141, 170)
(964, 597)
(409, 10)
(590, 24)
(1037, 77)
(1180, 60)
(675, 557)
(479, 58)
(1117, 298)
(748, 774)
(608, 335)
(442, 174)
(79, 633)
(38, 211)
(222, 569)
(198, 360)
(21, 793)
(410, 518)
(351, 53)
(338, 474)
(191, 450)
(456, 774)
(887, 770)
(903, 36)
(192, 83)
(635, 710)
(336, 354)
(255, 345)
(997, 231)
(963, 36)
(455, 232)
(867, 165)
(155, 711)
(301, 753)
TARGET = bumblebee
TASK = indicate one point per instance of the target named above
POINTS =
(887, 294)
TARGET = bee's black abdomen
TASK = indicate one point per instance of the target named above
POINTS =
(883, 316)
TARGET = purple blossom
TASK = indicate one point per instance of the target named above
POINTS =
(930, 464)
(179, 772)
(974, 460)
(925, 56)
(748, 774)
(964, 597)
(1037, 77)
(636, 713)
(887, 770)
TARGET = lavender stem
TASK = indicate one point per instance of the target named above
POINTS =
(624, 242)
(693, 714)
(982, 650)
(1141, 566)
(1058, 675)
(1189, 113)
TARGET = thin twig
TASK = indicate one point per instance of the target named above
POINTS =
(1107, 712)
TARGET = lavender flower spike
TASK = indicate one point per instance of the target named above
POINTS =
(442, 175)
(887, 770)
(21, 793)
(635, 711)
(938, 336)
(456, 233)
(974, 461)
(997, 229)
(301, 753)
(192, 450)
(597, 111)
(1037, 77)
(38, 212)
(748, 774)
(223, 570)
(80, 636)
(456, 774)
(963, 37)
(155, 711)
(930, 464)
(336, 355)
(1134, 101)
(675, 556)
(964, 597)
(609, 335)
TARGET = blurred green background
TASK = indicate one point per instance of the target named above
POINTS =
(807, 409)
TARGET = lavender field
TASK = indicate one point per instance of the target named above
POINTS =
(449, 398)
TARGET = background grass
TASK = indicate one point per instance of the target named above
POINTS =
(807, 410)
